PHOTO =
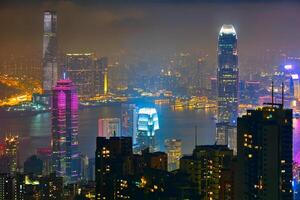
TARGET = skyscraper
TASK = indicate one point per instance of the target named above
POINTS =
(129, 121)
(109, 127)
(206, 168)
(265, 157)
(80, 68)
(11, 152)
(173, 147)
(65, 153)
(113, 163)
(49, 51)
(101, 79)
(147, 126)
(227, 81)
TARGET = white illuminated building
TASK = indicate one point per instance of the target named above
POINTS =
(147, 126)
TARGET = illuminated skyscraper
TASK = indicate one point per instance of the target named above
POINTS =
(80, 68)
(65, 153)
(227, 80)
(101, 79)
(147, 125)
(227, 75)
(49, 51)
(11, 152)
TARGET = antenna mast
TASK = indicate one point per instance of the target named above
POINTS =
(272, 93)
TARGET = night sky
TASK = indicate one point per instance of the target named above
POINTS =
(160, 27)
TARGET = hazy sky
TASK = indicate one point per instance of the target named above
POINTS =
(159, 26)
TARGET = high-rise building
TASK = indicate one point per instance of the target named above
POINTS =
(11, 187)
(65, 152)
(227, 82)
(11, 152)
(113, 161)
(147, 126)
(265, 153)
(101, 79)
(206, 169)
(49, 51)
(80, 68)
(129, 121)
(109, 127)
(173, 149)
(227, 75)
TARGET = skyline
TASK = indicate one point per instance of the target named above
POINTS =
(151, 28)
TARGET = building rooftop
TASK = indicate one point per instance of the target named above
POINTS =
(227, 29)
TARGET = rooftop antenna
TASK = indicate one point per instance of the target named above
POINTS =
(196, 136)
(282, 94)
(272, 93)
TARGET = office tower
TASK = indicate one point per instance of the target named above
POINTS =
(205, 168)
(173, 149)
(80, 68)
(113, 162)
(33, 165)
(147, 126)
(101, 79)
(11, 151)
(11, 187)
(49, 51)
(227, 81)
(65, 152)
(265, 157)
(109, 127)
(129, 121)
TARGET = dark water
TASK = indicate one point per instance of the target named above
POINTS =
(35, 130)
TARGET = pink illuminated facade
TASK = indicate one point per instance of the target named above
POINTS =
(65, 152)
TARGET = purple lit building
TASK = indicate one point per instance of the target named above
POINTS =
(65, 152)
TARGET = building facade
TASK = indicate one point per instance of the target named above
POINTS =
(174, 152)
(109, 127)
(147, 126)
(50, 72)
(80, 68)
(227, 85)
(65, 152)
(206, 169)
(265, 154)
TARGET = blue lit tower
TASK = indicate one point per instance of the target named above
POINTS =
(147, 125)
(227, 81)
(65, 152)
(49, 51)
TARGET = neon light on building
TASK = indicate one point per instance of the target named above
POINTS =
(147, 125)
(65, 153)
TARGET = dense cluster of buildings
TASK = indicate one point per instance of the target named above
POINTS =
(251, 159)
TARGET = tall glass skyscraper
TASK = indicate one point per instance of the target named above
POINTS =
(49, 51)
(147, 126)
(227, 87)
(65, 152)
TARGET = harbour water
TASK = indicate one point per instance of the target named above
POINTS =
(35, 131)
